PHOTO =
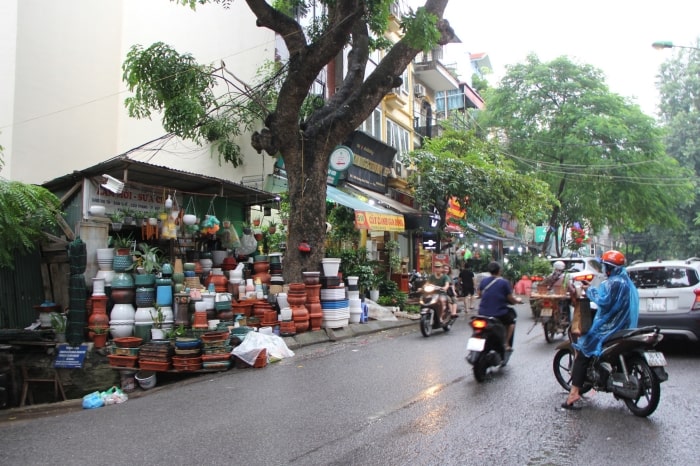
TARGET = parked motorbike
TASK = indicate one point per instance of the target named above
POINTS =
(415, 282)
(629, 368)
(487, 346)
(434, 311)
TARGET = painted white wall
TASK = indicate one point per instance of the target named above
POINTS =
(68, 94)
(8, 45)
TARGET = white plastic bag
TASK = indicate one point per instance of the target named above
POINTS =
(248, 245)
(254, 342)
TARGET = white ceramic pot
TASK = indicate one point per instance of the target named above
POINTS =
(98, 286)
(330, 266)
(98, 210)
(157, 334)
(189, 219)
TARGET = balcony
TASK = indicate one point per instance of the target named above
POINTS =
(396, 99)
(428, 68)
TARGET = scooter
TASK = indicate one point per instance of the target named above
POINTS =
(487, 346)
(434, 310)
(629, 368)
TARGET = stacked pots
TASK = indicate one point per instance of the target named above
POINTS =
(145, 296)
(122, 317)
(105, 261)
(296, 297)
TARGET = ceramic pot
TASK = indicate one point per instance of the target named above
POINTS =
(98, 286)
(98, 339)
(331, 266)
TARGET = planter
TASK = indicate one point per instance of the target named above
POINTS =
(99, 339)
(158, 334)
(146, 379)
(374, 295)
(331, 265)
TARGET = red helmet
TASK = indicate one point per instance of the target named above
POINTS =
(613, 257)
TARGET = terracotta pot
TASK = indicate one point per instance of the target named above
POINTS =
(99, 339)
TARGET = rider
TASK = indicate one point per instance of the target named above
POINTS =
(556, 278)
(438, 278)
(496, 293)
(618, 309)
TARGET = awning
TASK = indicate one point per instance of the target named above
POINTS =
(386, 201)
(367, 216)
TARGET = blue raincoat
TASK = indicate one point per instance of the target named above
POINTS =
(618, 308)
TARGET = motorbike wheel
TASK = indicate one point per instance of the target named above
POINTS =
(562, 365)
(550, 330)
(480, 367)
(426, 327)
(649, 387)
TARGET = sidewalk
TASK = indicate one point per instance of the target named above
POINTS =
(293, 342)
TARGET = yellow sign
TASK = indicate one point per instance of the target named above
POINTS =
(378, 222)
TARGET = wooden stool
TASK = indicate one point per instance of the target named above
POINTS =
(26, 380)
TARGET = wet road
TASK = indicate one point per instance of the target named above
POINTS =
(393, 398)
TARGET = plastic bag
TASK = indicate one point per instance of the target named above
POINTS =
(113, 396)
(93, 400)
(229, 238)
(248, 245)
(254, 342)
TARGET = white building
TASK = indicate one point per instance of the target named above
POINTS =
(61, 90)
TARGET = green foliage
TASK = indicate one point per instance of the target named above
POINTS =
(601, 157)
(389, 294)
(420, 29)
(117, 216)
(58, 322)
(121, 242)
(462, 165)
(354, 263)
(343, 221)
(148, 258)
(26, 211)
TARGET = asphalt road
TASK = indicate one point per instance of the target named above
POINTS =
(391, 398)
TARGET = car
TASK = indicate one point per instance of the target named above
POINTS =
(669, 296)
(582, 268)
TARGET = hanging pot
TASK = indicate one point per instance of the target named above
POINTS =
(189, 219)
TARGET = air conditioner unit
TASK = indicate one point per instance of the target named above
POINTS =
(419, 90)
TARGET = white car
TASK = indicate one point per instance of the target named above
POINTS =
(583, 268)
(669, 296)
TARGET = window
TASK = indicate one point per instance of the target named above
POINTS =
(373, 124)
(398, 138)
(664, 277)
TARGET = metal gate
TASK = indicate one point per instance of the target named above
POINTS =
(21, 289)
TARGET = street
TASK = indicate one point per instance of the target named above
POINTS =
(392, 398)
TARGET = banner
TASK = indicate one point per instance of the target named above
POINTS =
(379, 222)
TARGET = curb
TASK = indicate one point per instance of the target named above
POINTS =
(324, 335)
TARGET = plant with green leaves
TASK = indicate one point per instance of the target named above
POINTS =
(121, 241)
(27, 212)
(147, 259)
(157, 316)
(117, 216)
(58, 322)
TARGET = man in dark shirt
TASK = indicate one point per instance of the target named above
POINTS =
(466, 280)
(496, 294)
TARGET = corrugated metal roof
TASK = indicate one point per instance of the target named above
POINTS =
(147, 175)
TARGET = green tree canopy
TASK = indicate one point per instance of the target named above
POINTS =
(305, 140)
(460, 164)
(679, 91)
(602, 158)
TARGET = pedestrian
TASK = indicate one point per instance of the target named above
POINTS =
(451, 292)
(467, 281)
(618, 308)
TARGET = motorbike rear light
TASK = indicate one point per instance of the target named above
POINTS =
(479, 324)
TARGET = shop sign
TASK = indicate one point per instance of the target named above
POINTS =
(379, 222)
(540, 234)
(132, 198)
(70, 357)
(455, 213)
(371, 163)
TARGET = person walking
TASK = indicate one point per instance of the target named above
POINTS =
(467, 280)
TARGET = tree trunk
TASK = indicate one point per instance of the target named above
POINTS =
(306, 181)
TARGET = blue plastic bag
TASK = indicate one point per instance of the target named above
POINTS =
(93, 400)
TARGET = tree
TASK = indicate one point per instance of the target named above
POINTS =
(460, 164)
(304, 140)
(679, 88)
(603, 158)
(26, 210)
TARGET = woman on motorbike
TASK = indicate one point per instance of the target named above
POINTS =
(438, 278)
(618, 308)
(496, 294)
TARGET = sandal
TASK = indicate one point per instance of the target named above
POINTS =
(571, 407)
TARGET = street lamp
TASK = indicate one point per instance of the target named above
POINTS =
(667, 44)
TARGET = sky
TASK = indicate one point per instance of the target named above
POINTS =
(614, 36)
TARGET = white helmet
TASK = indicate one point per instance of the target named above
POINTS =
(559, 265)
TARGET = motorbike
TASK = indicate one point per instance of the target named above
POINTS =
(487, 346)
(415, 283)
(434, 311)
(629, 368)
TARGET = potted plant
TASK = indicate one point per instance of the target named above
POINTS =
(122, 244)
(147, 259)
(272, 227)
(246, 228)
(129, 216)
(158, 318)
(98, 335)
(58, 322)
(117, 218)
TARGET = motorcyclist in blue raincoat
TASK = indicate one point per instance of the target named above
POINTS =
(618, 308)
